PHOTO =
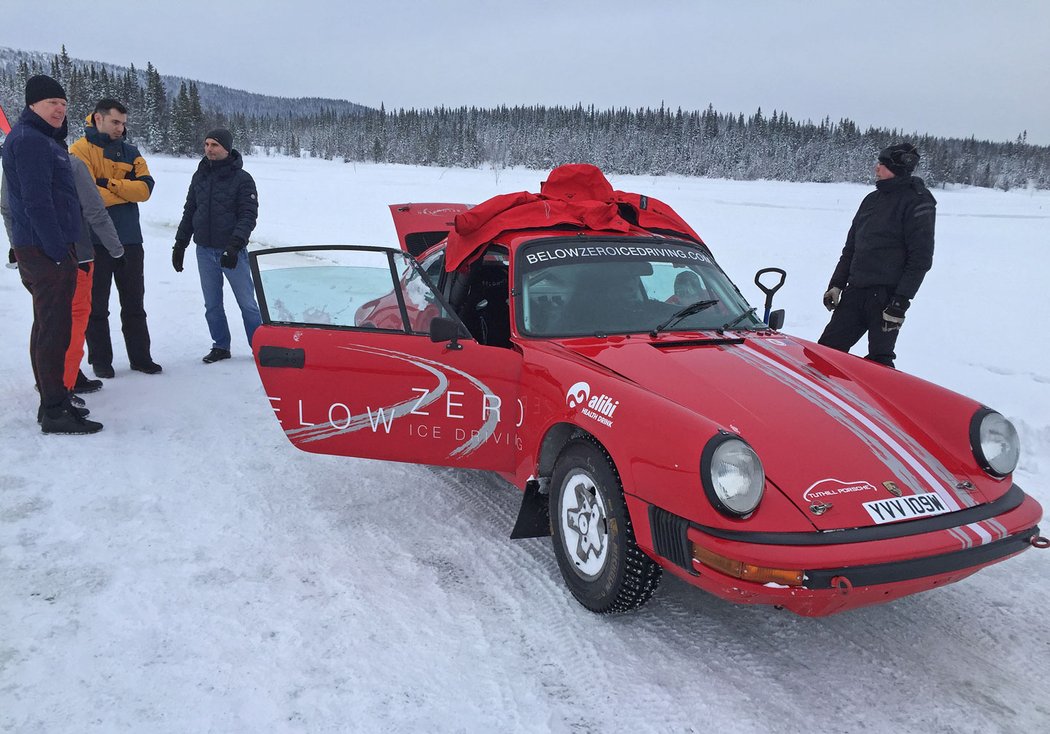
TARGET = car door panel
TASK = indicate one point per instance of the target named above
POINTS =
(388, 393)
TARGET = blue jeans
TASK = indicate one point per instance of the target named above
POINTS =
(240, 279)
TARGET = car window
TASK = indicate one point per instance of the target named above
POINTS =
(343, 287)
(609, 286)
(433, 266)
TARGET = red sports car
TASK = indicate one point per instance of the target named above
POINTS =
(584, 343)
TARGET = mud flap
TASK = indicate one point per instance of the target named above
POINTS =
(534, 516)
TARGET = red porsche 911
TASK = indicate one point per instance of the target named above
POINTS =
(584, 343)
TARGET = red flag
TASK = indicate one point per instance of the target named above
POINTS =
(5, 126)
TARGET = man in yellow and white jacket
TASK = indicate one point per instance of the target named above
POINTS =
(123, 180)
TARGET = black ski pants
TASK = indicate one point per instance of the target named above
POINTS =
(52, 286)
(131, 289)
(859, 311)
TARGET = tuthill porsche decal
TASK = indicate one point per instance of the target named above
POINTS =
(339, 419)
(598, 408)
(827, 488)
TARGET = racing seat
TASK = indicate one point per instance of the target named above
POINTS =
(485, 309)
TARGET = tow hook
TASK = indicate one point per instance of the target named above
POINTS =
(1038, 541)
(842, 585)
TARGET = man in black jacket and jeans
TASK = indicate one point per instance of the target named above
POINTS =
(888, 251)
(220, 213)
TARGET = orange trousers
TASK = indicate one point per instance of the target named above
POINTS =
(81, 311)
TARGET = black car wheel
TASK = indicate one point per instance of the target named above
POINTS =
(592, 534)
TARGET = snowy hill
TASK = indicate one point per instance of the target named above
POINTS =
(214, 97)
(187, 570)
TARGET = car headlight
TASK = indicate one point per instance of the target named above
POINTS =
(732, 475)
(994, 442)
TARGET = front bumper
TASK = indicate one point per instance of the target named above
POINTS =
(845, 569)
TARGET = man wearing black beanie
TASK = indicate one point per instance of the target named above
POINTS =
(220, 213)
(888, 251)
(45, 222)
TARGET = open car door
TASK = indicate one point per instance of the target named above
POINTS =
(347, 362)
(420, 226)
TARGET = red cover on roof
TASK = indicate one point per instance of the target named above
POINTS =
(577, 195)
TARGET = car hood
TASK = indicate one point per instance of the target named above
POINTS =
(830, 440)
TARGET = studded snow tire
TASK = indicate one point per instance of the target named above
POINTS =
(592, 534)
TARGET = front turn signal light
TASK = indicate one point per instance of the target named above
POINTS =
(746, 571)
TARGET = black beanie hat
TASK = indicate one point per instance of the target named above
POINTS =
(900, 159)
(222, 136)
(41, 87)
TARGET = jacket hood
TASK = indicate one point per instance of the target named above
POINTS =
(825, 435)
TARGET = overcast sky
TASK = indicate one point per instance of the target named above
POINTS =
(950, 67)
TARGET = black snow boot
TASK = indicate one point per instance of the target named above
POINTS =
(84, 385)
(215, 355)
(67, 421)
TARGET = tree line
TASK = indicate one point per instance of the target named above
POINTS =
(168, 116)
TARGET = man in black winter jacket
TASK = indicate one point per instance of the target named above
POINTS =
(220, 213)
(888, 251)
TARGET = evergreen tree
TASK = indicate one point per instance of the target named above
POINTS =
(182, 142)
(155, 112)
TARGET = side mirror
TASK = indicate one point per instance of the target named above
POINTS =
(776, 319)
(445, 330)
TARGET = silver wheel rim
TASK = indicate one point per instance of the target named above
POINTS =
(584, 526)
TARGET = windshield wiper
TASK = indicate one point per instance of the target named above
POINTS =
(689, 310)
(738, 319)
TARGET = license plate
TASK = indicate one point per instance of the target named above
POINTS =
(904, 508)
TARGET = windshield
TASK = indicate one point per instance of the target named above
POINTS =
(618, 285)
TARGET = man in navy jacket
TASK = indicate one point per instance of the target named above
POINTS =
(45, 222)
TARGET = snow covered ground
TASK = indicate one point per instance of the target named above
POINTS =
(187, 570)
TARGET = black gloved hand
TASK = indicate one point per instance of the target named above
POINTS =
(86, 267)
(229, 258)
(119, 262)
(832, 298)
(12, 262)
(103, 182)
(893, 315)
(178, 253)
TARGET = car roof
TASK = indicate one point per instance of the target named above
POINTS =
(567, 203)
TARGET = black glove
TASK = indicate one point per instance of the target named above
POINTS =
(229, 257)
(86, 267)
(178, 253)
(832, 297)
(118, 263)
(103, 182)
(12, 262)
(893, 316)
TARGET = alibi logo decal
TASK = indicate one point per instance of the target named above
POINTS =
(598, 408)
